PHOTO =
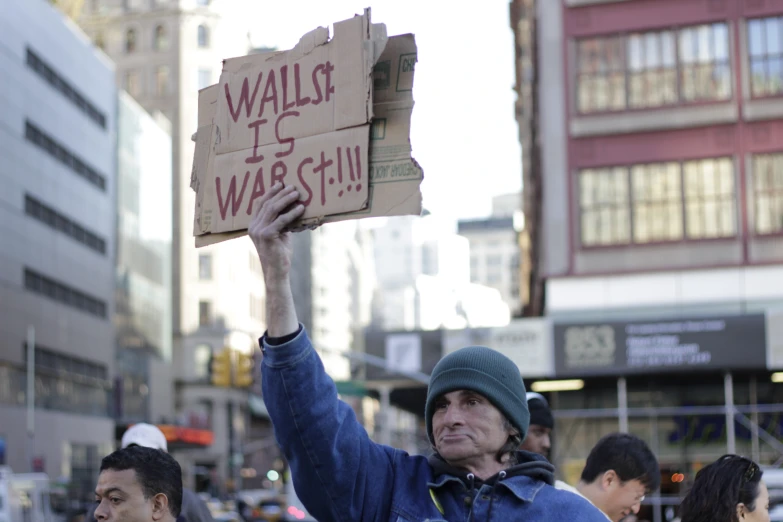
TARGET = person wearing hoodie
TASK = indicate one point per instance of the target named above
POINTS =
(475, 412)
(542, 422)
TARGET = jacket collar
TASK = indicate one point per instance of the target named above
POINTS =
(522, 487)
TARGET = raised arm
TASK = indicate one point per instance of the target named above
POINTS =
(272, 213)
(339, 473)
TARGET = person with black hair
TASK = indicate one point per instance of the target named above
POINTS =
(542, 422)
(138, 484)
(620, 470)
(728, 490)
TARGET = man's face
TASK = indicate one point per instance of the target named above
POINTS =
(467, 428)
(620, 498)
(538, 440)
(119, 498)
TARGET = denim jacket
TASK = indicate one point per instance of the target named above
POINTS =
(340, 475)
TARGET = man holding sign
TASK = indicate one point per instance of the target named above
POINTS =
(476, 414)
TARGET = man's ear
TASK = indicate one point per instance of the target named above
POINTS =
(609, 479)
(160, 506)
(740, 511)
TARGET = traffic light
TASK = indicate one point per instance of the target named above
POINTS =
(220, 368)
(245, 370)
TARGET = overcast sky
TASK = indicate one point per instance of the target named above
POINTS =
(464, 134)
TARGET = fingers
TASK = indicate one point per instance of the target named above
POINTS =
(269, 194)
(282, 200)
(274, 211)
(289, 217)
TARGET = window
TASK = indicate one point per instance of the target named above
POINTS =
(132, 83)
(162, 80)
(666, 202)
(205, 267)
(203, 36)
(768, 193)
(709, 198)
(203, 2)
(657, 202)
(765, 42)
(61, 223)
(130, 41)
(56, 80)
(64, 294)
(42, 140)
(705, 73)
(601, 74)
(204, 313)
(53, 361)
(494, 260)
(653, 69)
(603, 197)
(201, 358)
(204, 78)
(161, 40)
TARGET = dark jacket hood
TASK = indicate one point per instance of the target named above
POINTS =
(528, 464)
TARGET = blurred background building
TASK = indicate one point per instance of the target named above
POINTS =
(57, 257)
(653, 152)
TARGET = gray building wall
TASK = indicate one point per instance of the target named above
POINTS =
(57, 222)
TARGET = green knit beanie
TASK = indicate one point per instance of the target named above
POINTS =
(484, 371)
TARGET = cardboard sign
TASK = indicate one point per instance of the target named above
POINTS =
(349, 155)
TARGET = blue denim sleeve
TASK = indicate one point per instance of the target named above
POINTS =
(339, 474)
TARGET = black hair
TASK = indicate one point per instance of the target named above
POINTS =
(628, 456)
(719, 487)
(156, 472)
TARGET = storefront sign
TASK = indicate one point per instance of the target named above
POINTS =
(617, 348)
(527, 342)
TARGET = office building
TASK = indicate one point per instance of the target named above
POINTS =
(57, 258)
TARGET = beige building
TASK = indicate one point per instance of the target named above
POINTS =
(165, 51)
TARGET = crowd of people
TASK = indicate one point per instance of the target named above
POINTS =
(490, 440)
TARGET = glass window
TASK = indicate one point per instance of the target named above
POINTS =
(203, 36)
(162, 80)
(601, 74)
(768, 193)
(603, 201)
(642, 70)
(657, 202)
(132, 83)
(130, 41)
(205, 266)
(709, 198)
(765, 44)
(161, 41)
(705, 72)
(668, 202)
(652, 70)
(201, 358)
(204, 313)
